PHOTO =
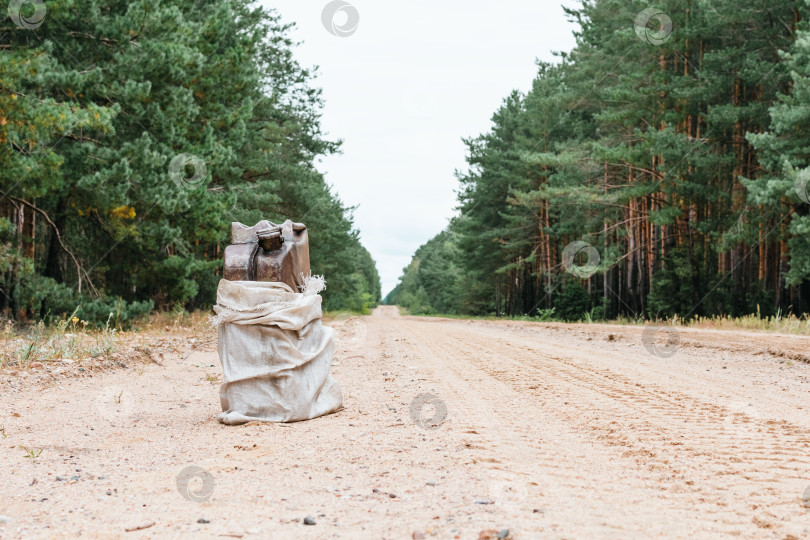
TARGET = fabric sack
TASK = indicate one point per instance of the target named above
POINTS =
(275, 352)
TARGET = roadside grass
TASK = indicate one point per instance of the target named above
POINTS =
(178, 319)
(779, 323)
(72, 347)
(71, 343)
(782, 324)
(341, 315)
(31, 453)
(69, 339)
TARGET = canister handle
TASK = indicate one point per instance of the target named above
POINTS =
(270, 238)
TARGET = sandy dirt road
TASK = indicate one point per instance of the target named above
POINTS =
(451, 428)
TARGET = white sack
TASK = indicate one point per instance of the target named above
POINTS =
(275, 354)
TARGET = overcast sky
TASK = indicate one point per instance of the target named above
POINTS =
(403, 89)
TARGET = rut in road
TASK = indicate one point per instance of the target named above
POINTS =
(552, 431)
(600, 438)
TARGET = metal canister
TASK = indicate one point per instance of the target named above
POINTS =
(268, 252)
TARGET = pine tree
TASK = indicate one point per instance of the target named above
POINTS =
(136, 132)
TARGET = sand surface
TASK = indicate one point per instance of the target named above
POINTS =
(450, 428)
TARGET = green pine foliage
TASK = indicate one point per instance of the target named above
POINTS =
(431, 283)
(676, 159)
(99, 105)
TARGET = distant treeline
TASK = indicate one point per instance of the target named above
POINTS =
(132, 133)
(672, 143)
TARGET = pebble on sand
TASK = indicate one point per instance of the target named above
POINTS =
(492, 534)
